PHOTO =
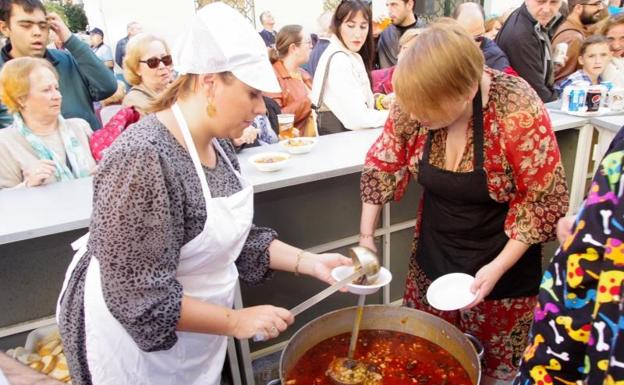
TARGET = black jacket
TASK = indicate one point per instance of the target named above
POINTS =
(527, 45)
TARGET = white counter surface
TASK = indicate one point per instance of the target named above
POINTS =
(611, 123)
(35, 212)
(562, 121)
(27, 213)
(60, 207)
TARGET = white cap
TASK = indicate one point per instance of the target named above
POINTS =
(220, 39)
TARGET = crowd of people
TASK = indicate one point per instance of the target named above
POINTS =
(339, 79)
(461, 103)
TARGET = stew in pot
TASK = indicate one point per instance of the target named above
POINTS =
(384, 357)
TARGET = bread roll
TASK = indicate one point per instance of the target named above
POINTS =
(49, 362)
(49, 347)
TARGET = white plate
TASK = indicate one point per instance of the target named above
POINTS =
(274, 166)
(302, 149)
(342, 272)
(451, 292)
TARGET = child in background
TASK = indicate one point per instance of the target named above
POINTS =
(594, 57)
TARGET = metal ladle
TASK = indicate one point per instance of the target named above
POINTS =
(347, 370)
(366, 266)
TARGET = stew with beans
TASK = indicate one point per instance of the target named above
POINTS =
(400, 359)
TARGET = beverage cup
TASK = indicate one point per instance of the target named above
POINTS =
(286, 125)
(561, 50)
(616, 99)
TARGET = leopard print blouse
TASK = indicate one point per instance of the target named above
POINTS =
(147, 204)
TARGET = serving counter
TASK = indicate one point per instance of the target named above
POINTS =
(313, 203)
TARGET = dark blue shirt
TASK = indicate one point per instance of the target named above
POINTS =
(268, 37)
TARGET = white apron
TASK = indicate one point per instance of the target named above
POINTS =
(206, 271)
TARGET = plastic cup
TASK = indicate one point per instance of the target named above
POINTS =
(561, 50)
(286, 125)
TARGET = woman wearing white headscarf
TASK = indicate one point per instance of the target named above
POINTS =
(148, 298)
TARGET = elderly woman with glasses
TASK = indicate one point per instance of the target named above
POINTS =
(148, 68)
(40, 147)
(480, 143)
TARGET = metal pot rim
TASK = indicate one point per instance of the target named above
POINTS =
(408, 309)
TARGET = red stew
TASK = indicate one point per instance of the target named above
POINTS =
(402, 359)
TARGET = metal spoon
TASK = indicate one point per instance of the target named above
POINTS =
(365, 263)
(347, 370)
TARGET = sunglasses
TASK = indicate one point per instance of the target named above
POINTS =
(153, 62)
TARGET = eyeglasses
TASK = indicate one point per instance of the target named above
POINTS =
(153, 62)
(599, 4)
(307, 41)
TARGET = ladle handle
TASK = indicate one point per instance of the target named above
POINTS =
(305, 305)
(356, 325)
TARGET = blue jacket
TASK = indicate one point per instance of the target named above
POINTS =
(83, 79)
(268, 37)
(494, 56)
(315, 55)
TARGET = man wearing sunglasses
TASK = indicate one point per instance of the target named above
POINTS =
(83, 78)
(573, 31)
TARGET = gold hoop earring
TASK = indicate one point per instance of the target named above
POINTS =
(211, 110)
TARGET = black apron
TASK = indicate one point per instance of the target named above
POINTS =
(462, 227)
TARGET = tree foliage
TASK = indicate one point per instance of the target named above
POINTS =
(76, 17)
(56, 8)
(72, 14)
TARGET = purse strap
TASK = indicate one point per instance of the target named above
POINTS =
(323, 84)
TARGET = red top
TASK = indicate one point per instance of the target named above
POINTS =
(522, 159)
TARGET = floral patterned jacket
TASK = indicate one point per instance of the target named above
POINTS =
(522, 159)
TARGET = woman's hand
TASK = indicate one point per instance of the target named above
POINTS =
(564, 228)
(387, 101)
(39, 173)
(323, 264)
(485, 280)
(249, 136)
(266, 320)
(368, 242)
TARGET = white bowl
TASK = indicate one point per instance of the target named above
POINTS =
(259, 160)
(342, 272)
(451, 292)
(301, 145)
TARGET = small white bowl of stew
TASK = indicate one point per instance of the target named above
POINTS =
(269, 161)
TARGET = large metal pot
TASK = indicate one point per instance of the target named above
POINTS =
(383, 317)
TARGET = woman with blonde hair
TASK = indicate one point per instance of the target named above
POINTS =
(148, 67)
(40, 147)
(148, 297)
(480, 143)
